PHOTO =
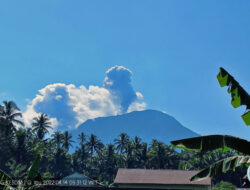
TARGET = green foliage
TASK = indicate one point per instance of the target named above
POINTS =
(224, 142)
(32, 172)
(47, 175)
(224, 186)
(66, 140)
(212, 142)
(16, 170)
(4, 176)
(239, 95)
(191, 160)
(221, 166)
(19, 148)
(41, 125)
(10, 113)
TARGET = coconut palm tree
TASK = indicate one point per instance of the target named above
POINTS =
(80, 158)
(57, 138)
(130, 154)
(94, 145)
(11, 115)
(143, 155)
(137, 142)
(137, 151)
(60, 163)
(21, 148)
(67, 142)
(41, 125)
(225, 142)
(158, 154)
(110, 162)
(121, 142)
(82, 138)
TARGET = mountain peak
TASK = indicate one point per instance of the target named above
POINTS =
(147, 124)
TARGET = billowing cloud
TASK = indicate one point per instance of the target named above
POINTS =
(69, 106)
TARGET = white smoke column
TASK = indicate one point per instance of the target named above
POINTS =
(118, 82)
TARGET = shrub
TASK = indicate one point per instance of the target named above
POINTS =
(224, 186)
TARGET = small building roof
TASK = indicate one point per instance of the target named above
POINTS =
(76, 175)
(157, 177)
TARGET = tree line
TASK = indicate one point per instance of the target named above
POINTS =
(19, 145)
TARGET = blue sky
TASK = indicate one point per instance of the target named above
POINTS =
(174, 49)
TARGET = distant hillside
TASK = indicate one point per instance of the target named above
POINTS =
(148, 125)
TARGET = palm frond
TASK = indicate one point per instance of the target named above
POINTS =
(16, 114)
(18, 122)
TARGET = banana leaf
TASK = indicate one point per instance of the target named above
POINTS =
(239, 95)
(221, 166)
(4, 177)
(212, 142)
(246, 118)
(32, 172)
